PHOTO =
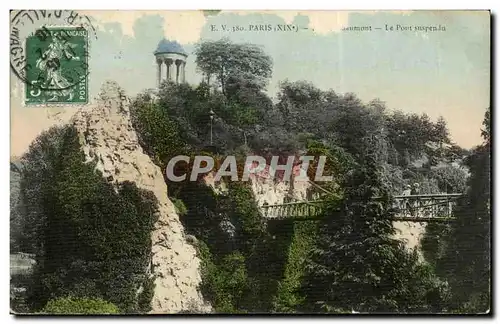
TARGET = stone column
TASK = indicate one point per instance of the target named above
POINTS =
(177, 70)
(183, 72)
(169, 69)
(167, 75)
(159, 62)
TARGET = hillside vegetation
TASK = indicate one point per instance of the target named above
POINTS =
(346, 261)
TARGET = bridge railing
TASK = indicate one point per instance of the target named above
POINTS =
(301, 209)
(425, 207)
(411, 207)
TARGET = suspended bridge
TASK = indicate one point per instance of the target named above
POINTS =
(412, 208)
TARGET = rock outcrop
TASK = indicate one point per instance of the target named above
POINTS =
(108, 137)
(268, 190)
(411, 233)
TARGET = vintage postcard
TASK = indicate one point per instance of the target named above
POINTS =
(250, 162)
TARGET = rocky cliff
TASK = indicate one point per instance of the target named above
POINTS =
(108, 137)
(266, 189)
(411, 233)
(270, 191)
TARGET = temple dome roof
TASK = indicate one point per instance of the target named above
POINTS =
(166, 46)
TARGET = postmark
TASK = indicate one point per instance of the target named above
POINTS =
(50, 55)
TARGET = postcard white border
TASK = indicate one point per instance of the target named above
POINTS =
(193, 4)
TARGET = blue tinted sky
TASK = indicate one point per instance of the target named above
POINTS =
(439, 73)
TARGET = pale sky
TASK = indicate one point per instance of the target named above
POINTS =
(440, 73)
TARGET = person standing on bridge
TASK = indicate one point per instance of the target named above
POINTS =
(415, 190)
(266, 211)
(405, 204)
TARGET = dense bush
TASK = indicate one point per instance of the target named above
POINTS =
(234, 247)
(158, 134)
(79, 306)
(288, 298)
(38, 165)
(95, 239)
(224, 280)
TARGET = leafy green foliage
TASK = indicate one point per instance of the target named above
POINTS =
(224, 281)
(180, 208)
(451, 179)
(38, 167)
(227, 61)
(348, 260)
(466, 261)
(146, 295)
(243, 210)
(256, 244)
(357, 264)
(288, 298)
(409, 134)
(158, 134)
(16, 226)
(234, 244)
(338, 163)
(203, 217)
(96, 241)
(79, 306)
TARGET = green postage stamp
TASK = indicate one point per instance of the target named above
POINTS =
(57, 61)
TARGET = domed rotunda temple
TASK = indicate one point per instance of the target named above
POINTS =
(171, 60)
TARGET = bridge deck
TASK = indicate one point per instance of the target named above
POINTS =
(413, 208)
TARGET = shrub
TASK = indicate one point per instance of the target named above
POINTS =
(224, 283)
(145, 297)
(287, 297)
(180, 208)
(71, 305)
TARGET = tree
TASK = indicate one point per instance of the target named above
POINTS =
(466, 261)
(38, 167)
(158, 133)
(451, 179)
(224, 60)
(357, 264)
(16, 217)
(303, 107)
(410, 135)
(354, 122)
(224, 282)
(441, 133)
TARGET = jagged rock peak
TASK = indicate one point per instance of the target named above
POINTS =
(109, 139)
(112, 98)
